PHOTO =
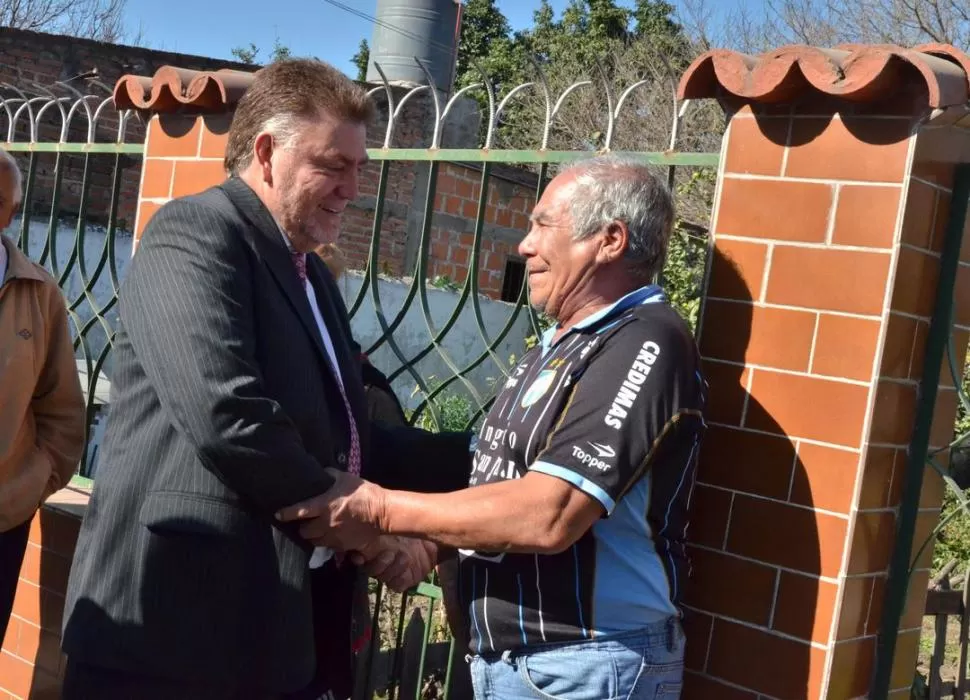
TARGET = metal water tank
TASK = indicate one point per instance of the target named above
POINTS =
(406, 29)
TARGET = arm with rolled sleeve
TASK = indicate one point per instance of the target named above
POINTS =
(641, 391)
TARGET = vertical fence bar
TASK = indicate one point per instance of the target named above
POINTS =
(394, 685)
(112, 230)
(451, 662)
(373, 648)
(424, 649)
(25, 208)
(940, 325)
(52, 222)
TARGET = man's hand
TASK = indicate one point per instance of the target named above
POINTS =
(346, 517)
(399, 562)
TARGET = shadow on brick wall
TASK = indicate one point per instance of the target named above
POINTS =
(53, 536)
(753, 534)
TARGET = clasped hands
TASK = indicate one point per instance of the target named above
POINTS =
(347, 518)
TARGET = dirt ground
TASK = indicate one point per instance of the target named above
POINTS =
(951, 659)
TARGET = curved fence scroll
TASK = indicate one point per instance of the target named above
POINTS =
(437, 295)
(81, 161)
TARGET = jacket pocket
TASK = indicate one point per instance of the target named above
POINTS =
(193, 514)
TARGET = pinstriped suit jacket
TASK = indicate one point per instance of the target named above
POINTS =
(223, 410)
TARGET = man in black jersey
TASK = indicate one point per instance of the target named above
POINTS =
(573, 535)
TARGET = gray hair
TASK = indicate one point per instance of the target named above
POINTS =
(284, 128)
(616, 188)
(8, 162)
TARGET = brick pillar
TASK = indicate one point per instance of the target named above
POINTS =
(31, 663)
(183, 155)
(827, 225)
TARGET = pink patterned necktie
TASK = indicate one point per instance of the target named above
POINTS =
(353, 462)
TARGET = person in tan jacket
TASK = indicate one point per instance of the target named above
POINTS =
(41, 405)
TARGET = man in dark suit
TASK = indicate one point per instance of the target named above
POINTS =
(236, 392)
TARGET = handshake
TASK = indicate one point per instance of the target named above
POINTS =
(347, 518)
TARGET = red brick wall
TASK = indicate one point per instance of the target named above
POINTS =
(508, 205)
(33, 58)
(31, 663)
(813, 329)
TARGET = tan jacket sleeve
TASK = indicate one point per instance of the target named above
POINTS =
(58, 404)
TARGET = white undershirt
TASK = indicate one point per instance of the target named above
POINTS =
(324, 333)
(315, 308)
(320, 555)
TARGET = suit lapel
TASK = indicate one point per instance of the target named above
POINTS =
(276, 256)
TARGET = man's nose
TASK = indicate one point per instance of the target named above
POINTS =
(350, 188)
(526, 245)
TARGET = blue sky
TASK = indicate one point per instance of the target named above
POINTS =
(308, 27)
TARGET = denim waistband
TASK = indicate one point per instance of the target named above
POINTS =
(666, 633)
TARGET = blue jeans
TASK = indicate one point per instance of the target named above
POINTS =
(646, 664)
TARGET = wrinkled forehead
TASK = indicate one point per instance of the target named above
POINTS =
(330, 137)
(556, 198)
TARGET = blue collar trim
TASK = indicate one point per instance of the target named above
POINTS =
(650, 294)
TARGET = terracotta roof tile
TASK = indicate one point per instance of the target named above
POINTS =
(172, 89)
(859, 73)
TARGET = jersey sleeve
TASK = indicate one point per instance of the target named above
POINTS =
(638, 397)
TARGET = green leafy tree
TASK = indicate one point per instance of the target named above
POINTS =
(246, 54)
(361, 59)
(250, 54)
(614, 47)
(485, 36)
(280, 52)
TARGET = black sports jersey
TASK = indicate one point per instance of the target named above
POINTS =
(614, 407)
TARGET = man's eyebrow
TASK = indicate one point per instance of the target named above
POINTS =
(344, 160)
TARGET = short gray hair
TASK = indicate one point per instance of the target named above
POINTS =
(9, 162)
(617, 188)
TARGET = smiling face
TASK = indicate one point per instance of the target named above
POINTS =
(560, 267)
(308, 182)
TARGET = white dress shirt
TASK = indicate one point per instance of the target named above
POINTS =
(320, 554)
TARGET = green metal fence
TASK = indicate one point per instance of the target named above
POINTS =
(79, 158)
(81, 161)
(941, 347)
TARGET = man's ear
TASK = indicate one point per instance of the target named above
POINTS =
(5, 224)
(263, 149)
(615, 241)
